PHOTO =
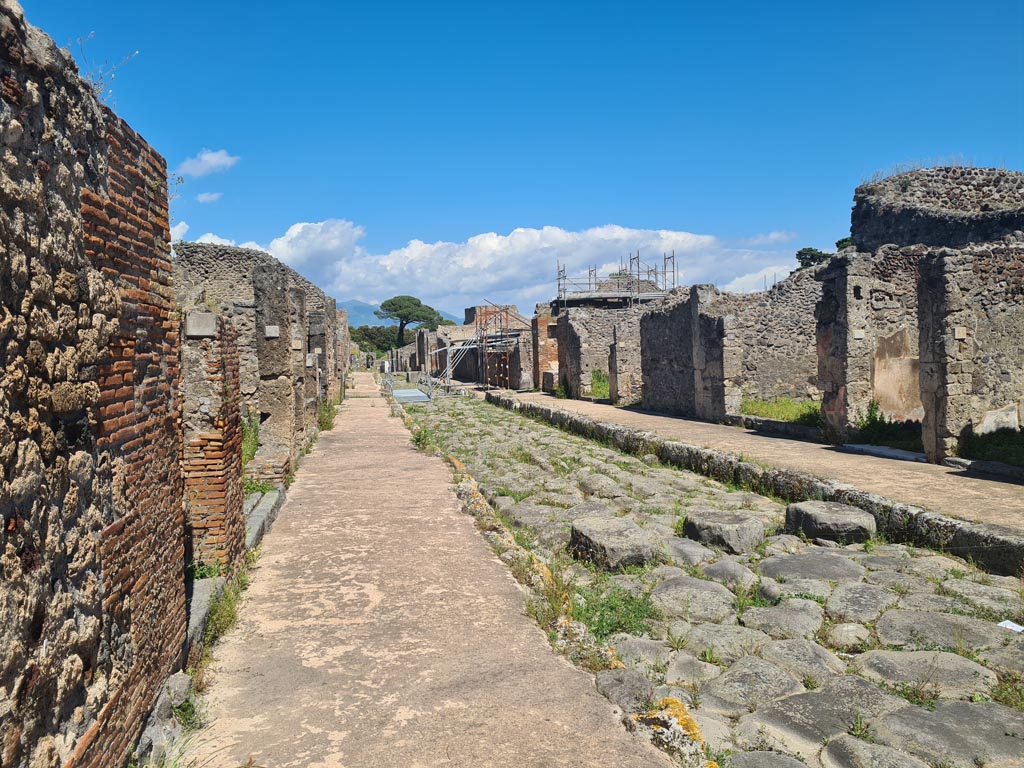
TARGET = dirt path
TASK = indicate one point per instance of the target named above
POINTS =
(380, 630)
(936, 488)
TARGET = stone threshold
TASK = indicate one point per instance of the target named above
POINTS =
(995, 548)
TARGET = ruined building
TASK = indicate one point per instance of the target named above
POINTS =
(126, 376)
(703, 350)
(925, 313)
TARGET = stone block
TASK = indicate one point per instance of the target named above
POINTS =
(830, 520)
(200, 325)
(271, 331)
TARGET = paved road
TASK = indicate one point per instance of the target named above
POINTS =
(380, 630)
(936, 488)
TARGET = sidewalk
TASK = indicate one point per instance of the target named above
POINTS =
(935, 488)
(380, 630)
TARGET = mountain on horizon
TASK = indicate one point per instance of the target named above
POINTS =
(361, 313)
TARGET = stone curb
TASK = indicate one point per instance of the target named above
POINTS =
(776, 427)
(996, 548)
(993, 468)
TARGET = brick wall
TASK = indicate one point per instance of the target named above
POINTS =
(212, 458)
(93, 611)
(545, 348)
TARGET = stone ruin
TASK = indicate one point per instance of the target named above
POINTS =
(938, 206)
(703, 350)
(504, 359)
(927, 322)
(922, 315)
(121, 401)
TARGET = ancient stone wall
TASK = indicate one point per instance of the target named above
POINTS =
(544, 328)
(971, 325)
(92, 601)
(666, 354)
(704, 350)
(867, 337)
(584, 340)
(625, 375)
(212, 458)
(342, 354)
(938, 206)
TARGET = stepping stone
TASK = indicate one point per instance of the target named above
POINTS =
(731, 574)
(861, 603)
(696, 600)
(812, 565)
(687, 551)
(639, 650)
(848, 751)
(957, 733)
(729, 641)
(925, 630)
(775, 591)
(803, 659)
(848, 637)
(830, 520)
(800, 724)
(728, 531)
(685, 669)
(612, 542)
(995, 599)
(764, 760)
(932, 673)
(748, 684)
(626, 688)
(792, 618)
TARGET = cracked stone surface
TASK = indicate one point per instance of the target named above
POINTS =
(780, 646)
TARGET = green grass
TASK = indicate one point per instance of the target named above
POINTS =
(197, 569)
(250, 438)
(607, 608)
(1006, 445)
(792, 410)
(256, 486)
(599, 388)
(875, 428)
(1009, 691)
(326, 414)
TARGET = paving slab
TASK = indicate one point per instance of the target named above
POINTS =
(380, 630)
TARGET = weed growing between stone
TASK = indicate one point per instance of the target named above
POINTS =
(326, 414)
(607, 608)
(250, 439)
(223, 616)
(599, 387)
(250, 485)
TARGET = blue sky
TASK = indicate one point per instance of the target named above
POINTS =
(423, 148)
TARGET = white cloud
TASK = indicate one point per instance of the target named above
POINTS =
(206, 162)
(770, 238)
(517, 268)
(759, 280)
(209, 237)
(209, 197)
(178, 231)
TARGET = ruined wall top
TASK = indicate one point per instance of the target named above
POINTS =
(226, 272)
(938, 206)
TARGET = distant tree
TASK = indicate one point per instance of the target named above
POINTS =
(808, 257)
(445, 321)
(378, 338)
(408, 310)
(845, 242)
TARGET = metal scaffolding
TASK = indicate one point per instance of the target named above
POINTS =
(637, 281)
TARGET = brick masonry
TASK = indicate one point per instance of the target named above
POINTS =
(93, 611)
(212, 454)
